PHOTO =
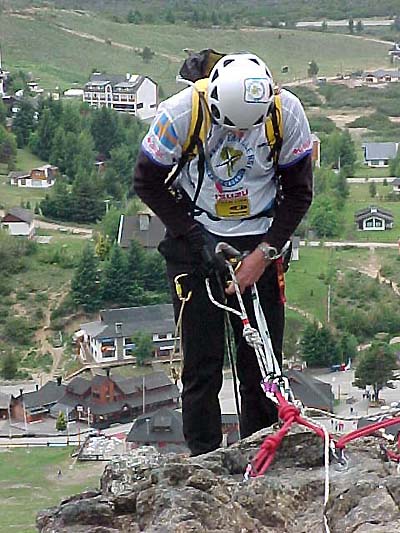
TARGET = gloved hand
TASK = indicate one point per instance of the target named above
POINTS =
(202, 244)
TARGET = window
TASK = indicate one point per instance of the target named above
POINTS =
(140, 106)
(96, 394)
(129, 347)
(369, 223)
(152, 106)
(378, 223)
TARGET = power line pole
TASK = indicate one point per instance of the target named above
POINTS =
(329, 304)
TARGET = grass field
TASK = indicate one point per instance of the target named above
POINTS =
(29, 483)
(43, 43)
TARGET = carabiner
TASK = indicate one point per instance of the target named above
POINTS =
(179, 290)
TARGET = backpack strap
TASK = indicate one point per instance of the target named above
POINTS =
(274, 129)
(200, 124)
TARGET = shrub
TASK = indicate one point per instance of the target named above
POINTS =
(17, 330)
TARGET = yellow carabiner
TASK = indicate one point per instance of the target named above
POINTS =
(178, 288)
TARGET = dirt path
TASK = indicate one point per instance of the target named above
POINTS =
(308, 316)
(91, 37)
(372, 270)
(41, 336)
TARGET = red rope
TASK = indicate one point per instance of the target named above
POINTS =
(365, 431)
(289, 414)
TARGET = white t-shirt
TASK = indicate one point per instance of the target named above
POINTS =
(240, 182)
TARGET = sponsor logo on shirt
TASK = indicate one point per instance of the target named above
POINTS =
(301, 149)
(231, 158)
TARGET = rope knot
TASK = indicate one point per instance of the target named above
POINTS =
(288, 412)
(271, 443)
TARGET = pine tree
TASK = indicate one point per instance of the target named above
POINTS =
(57, 154)
(136, 262)
(85, 288)
(106, 131)
(70, 153)
(319, 346)
(85, 154)
(87, 195)
(102, 247)
(154, 273)
(347, 151)
(61, 423)
(23, 123)
(58, 204)
(9, 366)
(115, 281)
(45, 134)
(313, 69)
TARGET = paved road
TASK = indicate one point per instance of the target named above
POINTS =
(338, 244)
(342, 23)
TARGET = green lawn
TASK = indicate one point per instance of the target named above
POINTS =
(29, 483)
(306, 287)
(38, 44)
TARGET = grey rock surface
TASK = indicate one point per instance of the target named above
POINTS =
(175, 494)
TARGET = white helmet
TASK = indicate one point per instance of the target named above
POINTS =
(240, 91)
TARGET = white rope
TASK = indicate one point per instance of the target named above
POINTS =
(264, 332)
(327, 442)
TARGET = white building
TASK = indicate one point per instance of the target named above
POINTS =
(73, 93)
(19, 222)
(133, 94)
(379, 154)
(111, 337)
(40, 177)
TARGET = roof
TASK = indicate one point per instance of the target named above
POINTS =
(4, 400)
(15, 174)
(385, 150)
(164, 425)
(381, 73)
(24, 215)
(117, 80)
(311, 391)
(368, 211)
(149, 318)
(79, 386)
(50, 393)
(130, 229)
(395, 182)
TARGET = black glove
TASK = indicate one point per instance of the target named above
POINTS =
(202, 244)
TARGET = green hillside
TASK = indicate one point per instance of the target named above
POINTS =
(43, 42)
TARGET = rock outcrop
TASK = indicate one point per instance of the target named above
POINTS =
(206, 494)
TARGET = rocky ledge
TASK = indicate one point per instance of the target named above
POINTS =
(172, 494)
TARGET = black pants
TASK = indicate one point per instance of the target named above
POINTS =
(204, 348)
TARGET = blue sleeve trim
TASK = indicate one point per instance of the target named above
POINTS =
(148, 154)
(302, 156)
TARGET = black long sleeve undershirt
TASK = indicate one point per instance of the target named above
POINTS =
(149, 185)
(296, 182)
(297, 192)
